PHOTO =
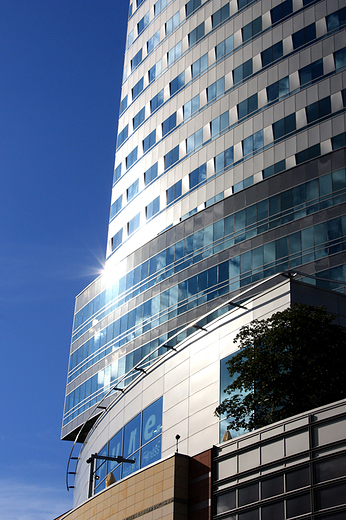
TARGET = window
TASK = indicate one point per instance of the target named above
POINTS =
(123, 135)
(247, 106)
(271, 54)
(304, 36)
(196, 34)
(150, 174)
(224, 47)
(191, 6)
(339, 141)
(159, 6)
(169, 124)
(153, 42)
(308, 153)
(123, 105)
(131, 158)
(157, 101)
(219, 124)
(280, 12)
(340, 58)
(217, 88)
(274, 168)
(172, 23)
(311, 72)
(129, 39)
(149, 141)
(177, 83)
(243, 3)
(136, 60)
(142, 24)
(220, 16)
(154, 71)
(251, 29)
(319, 109)
(117, 239)
(171, 157)
(139, 2)
(137, 89)
(194, 140)
(284, 126)
(130, 11)
(278, 89)
(116, 207)
(152, 208)
(242, 72)
(336, 20)
(200, 65)
(252, 143)
(139, 118)
(133, 224)
(174, 53)
(224, 160)
(173, 193)
(191, 107)
(132, 191)
(117, 173)
(197, 176)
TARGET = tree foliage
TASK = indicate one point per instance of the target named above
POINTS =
(289, 363)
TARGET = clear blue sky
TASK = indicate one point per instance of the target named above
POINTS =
(60, 76)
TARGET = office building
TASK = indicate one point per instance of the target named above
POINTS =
(229, 169)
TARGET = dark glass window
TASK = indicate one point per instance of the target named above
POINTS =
(123, 104)
(298, 505)
(284, 126)
(339, 141)
(220, 16)
(251, 29)
(273, 511)
(225, 502)
(152, 208)
(278, 89)
(340, 58)
(173, 193)
(139, 118)
(149, 141)
(217, 88)
(308, 153)
(247, 106)
(271, 54)
(171, 157)
(242, 72)
(311, 72)
(336, 19)
(297, 479)
(169, 124)
(137, 89)
(318, 109)
(304, 36)
(157, 101)
(196, 34)
(191, 6)
(253, 143)
(136, 60)
(154, 71)
(281, 11)
(249, 515)
(248, 494)
(199, 65)
(177, 83)
(150, 174)
(197, 176)
(329, 469)
(272, 486)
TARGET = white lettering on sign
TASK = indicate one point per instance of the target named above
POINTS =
(149, 427)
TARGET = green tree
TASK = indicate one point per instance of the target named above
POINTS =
(289, 363)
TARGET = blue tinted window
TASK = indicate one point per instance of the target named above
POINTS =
(194, 140)
(340, 58)
(174, 192)
(142, 24)
(251, 29)
(159, 5)
(132, 190)
(172, 23)
(216, 89)
(116, 206)
(247, 106)
(197, 176)
(150, 174)
(336, 20)
(117, 239)
(129, 39)
(149, 141)
(131, 158)
(157, 101)
(318, 110)
(177, 83)
(304, 36)
(219, 124)
(220, 16)
(123, 104)
(152, 208)
(133, 224)
(271, 54)
(174, 53)
(281, 11)
(169, 124)
(191, 6)
(171, 157)
(136, 60)
(242, 72)
(252, 143)
(139, 118)
(153, 41)
(154, 71)
(311, 72)
(123, 135)
(196, 34)
(151, 452)
(152, 421)
(278, 89)
(117, 173)
(191, 107)
(284, 126)
(199, 65)
(224, 47)
(224, 160)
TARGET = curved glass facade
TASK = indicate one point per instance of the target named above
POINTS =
(230, 167)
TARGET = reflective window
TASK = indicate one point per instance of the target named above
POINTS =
(220, 16)
(139, 118)
(169, 124)
(199, 65)
(123, 135)
(224, 160)
(247, 106)
(242, 72)
(152, 208)
(272, 486)
(117, 239)
(177, 83)
(172, 23)
(133, 224)
(171, 157)
(219, 124)
(174, 53)
(197, 176)
(153, 42)
(336, 19)
(132, 190)
(272, 511)
(304, 36)
(191, 6)
(129, 39)
(282, 10)
(173, 193)
(318, 109)
(159, 6)
(298, 505)
(194, 141)
(150, 174)
(251, 29)
(340, 58)
(155, 71)
(284, 126)
(131, 158)
(142, 24)
(191, 107)
(278, 89)
(308, 153)
(253, 143)
(156, 101)
(225, 502)
(136, 60)
(216, 89)
(116, 207)
(224, 47)
(117, 173)
(311, 72)
(272, 54)
(149, 141)
(196, 34)
(123, 105)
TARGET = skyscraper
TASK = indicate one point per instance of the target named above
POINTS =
(229, 169)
